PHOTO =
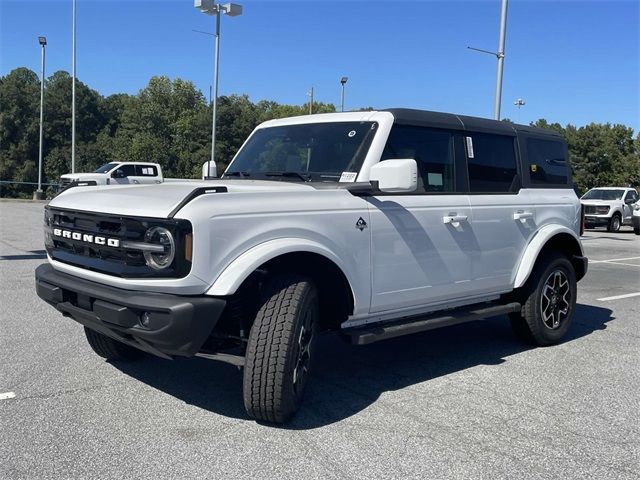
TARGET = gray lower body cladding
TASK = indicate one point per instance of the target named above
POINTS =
(162, 324)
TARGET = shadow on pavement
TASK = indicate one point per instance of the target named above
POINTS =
(347, 379)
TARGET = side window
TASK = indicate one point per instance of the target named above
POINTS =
(547, 162)
(631, 195)
(127, 171)
(491, 160)
(431, 149)
(146, 170)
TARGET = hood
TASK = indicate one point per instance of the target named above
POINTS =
(82, 176)
(158, 200)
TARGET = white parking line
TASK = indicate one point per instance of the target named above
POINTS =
(7, 395)
(614, 260)
(618, 297)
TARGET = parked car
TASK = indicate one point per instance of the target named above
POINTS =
(636, 219)
(609, 206)
(116, 173)
(369, 224)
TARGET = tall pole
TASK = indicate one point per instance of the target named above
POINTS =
(342, 98)
(215, 85)
(73, 94)
(500, 55)
(39, 191)
(311, 102)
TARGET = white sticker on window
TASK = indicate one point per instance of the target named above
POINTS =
(348, 176)
(435, 179)
(469, 147)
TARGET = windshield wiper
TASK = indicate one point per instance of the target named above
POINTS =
(237, 174)
(301, 176)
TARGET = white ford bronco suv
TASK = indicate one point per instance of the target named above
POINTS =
(369, 224)
(609, 206)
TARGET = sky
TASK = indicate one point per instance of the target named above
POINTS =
(570, 61)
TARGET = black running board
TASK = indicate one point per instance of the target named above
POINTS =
(374, 333)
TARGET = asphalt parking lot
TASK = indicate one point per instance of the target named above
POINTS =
(464, 402)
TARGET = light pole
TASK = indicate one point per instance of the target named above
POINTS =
(343, 81)
(519, 103)
(211, 8)
(73, 92)
(39, 195)
(310, 93)
(500, 56)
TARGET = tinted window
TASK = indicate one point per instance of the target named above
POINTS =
(491, 160)
(146, 171)
(431, 149)
(547, 161)
(127, 170)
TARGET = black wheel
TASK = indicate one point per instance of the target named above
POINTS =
(549, 299)
(636, 230)
(614, 223)
(109, 348)
(280, 348)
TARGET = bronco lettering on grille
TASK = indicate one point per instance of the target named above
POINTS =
(87, 238)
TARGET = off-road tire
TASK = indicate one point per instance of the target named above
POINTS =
(529, 324)
(109, 348)
(615, 222)
(288, 311)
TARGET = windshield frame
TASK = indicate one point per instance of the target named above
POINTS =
(360, 155)
(604, 191)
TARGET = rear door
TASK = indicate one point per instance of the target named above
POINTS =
(421, 242)
(503, 218)
(145, 174)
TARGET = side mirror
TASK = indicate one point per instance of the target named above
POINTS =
(630, 201)
(395, 175)
(209, 170)
(118, 174)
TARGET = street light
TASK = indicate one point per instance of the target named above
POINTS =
(39, 195)
(210, 7)
(500, 56)
(343, 80)
(519, 103)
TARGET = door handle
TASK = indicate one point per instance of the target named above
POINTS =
(522, 216)
(454, 219)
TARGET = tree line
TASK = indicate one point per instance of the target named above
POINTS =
(169, 122)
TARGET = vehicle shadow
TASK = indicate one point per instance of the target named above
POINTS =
(347, 378)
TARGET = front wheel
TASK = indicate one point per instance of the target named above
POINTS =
(614, 223)
(109, 348)
(280, 348)
(549, 299)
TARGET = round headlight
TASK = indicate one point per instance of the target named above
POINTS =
(160, 236)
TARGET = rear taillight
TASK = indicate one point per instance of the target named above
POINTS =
(581, 220)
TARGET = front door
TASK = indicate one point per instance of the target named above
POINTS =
(421, 242)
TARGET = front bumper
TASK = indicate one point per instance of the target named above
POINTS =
(596, 220)
(158, 323)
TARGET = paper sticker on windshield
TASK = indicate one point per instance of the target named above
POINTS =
(348, 176)
(352, 133)
(469, 147)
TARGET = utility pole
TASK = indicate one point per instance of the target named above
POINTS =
(500, 56)
(39, 195)
(73, 92)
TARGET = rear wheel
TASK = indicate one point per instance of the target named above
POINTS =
(109, 348)
(549, 299)
(614, 223)
(636, 230)
(280, 348)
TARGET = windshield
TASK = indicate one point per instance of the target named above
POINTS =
(105, 168)
(603, 195)
(320, 152)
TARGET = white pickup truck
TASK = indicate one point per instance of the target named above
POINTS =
(611, 207)
(116, 173)
(368, 224)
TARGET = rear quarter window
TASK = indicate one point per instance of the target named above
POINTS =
(547, 162)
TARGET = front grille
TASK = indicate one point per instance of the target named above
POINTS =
(121, 260)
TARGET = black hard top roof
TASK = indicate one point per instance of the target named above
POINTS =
(425, 118)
